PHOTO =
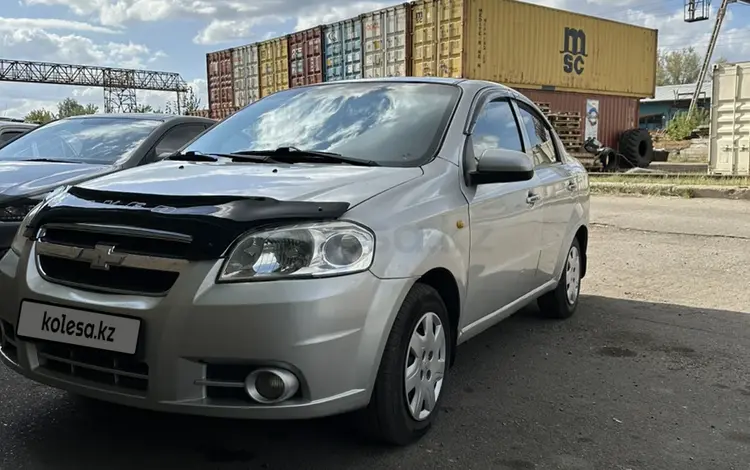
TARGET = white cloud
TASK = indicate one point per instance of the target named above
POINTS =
(13, 24)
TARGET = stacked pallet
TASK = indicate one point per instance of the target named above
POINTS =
(568, 127)
(543, 107)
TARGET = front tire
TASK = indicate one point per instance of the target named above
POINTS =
(411, 378)
(562, 302)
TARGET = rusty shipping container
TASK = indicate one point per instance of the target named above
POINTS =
(306, 57)
(615, 113)
(246, 78)
(273, 56)
(530, 46)
(387, 42)
(343, 50)
(220, 79)
(222, 113)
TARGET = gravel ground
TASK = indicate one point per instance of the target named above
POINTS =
(650, 374)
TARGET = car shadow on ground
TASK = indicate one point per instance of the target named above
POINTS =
(528, 382)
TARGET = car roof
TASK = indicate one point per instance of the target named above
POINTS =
(142, 116)
(17, 124)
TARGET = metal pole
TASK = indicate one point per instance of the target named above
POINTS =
(709, 53)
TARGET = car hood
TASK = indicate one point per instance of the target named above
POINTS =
(286, 182)
(19, 179)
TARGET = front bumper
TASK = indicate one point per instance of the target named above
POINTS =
(329, 332)
(7, 233)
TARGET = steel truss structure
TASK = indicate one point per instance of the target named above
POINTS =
(119, 84)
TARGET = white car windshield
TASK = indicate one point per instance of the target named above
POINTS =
(391, 123)
(96, 140)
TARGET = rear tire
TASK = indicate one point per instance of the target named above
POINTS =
(562, 302)
(389, 418)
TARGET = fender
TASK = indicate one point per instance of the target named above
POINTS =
(574, 225)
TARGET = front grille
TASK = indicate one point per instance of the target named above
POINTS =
(8, 343)
(111, 258)
(122, 279)
(123, 242)
(93, 365)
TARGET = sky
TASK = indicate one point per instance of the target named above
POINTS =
(175, 35)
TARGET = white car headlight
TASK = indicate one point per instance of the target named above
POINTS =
(19, 240)
(305, 250)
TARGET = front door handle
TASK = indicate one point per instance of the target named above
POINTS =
(572, 186)
(532, 199)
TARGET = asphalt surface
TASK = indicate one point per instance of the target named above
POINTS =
(651, 373)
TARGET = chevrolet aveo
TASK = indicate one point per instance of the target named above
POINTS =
(324, 250)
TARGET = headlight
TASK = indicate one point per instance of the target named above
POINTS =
(307, 250)
(19, 240)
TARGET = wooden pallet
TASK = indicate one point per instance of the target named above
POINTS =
(543, 107)
(567, 125)
(566, 114)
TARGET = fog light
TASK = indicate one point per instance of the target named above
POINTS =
(271, 385)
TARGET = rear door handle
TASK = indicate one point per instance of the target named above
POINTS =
(532, 199)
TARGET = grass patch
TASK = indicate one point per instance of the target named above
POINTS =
(673, 180)
(643, 190)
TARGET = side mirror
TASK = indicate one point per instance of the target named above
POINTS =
(502, 166)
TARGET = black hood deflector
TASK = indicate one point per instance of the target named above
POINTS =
(214, 222)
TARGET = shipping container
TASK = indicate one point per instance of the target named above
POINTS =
(343, 50)
(220, 80)
(246, 79)
(273, 57)
(615, 114)
(222, 113)
(387, 42)
(729, 147)
(525, 45)
(306, 57)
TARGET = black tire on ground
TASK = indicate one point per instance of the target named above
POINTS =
(556, 304)
(636, 145)
(387, 418)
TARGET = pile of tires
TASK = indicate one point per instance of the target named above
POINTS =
(637, 147)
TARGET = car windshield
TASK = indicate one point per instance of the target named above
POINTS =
(96, 140)
(390, 123)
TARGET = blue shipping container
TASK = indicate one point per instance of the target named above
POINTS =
(343, 50)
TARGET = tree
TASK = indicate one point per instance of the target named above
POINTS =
(678, 67)
(721, 61)
(40, 116)
(146, 108)
(190, 103)
(70, 107)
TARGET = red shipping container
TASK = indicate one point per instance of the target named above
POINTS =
(617, 114)
(220, 78)
(306, 57)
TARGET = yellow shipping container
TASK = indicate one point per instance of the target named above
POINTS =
(530, 46)
(273, 57)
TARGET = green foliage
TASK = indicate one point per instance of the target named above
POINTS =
(189, 103)
(682, 125)
(70, 107)
(678, 67)
(146, 108)
(39, 116)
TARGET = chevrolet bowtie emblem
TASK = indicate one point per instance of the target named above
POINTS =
(102, 257)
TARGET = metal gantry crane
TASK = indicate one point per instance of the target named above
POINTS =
(698, 10)
(119, 84)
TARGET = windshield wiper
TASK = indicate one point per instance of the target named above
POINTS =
(51, 160)
(295, 155)
(193, 156)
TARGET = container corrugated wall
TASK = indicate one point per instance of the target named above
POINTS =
(306, 57)
(522, 45)
(220, 80)
(616, 113)
(343, 50)
(729, 147)
(438, 38)
(246, 78)
(273, 57)
(387, 42)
